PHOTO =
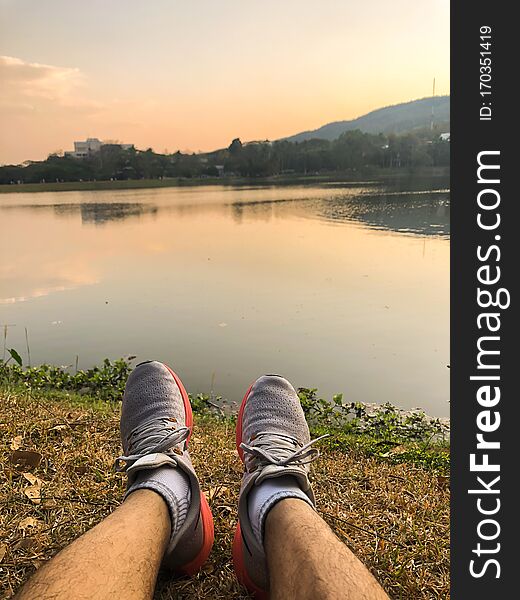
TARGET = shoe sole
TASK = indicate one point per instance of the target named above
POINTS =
(238, 547)
(208, 535)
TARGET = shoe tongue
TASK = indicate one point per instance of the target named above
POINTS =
(152, 461)
(271, 471)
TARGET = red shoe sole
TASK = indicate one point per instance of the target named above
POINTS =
(241, 571)
(208, 538)
(205, 512)
(238, 550)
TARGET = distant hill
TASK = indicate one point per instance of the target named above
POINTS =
(391, 119)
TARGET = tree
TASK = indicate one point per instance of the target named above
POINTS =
(235, 147)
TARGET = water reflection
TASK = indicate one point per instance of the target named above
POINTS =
(96, 213)
(419, 213)
(318, 283)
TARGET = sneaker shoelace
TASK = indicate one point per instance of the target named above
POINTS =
(153, 436)
(272, 448)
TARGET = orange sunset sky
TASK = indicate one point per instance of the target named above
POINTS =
(193, 74)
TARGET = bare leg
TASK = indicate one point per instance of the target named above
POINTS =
(306, 560)
(117, 559)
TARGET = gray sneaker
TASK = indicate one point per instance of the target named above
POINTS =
(273, 440)
(156, 425)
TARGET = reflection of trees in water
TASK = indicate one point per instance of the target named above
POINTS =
(426, 214)
(237, 212)
(103, 213)
(418, 213)
(422, 214)
(262, 210)
(414, 183)
(100, 213)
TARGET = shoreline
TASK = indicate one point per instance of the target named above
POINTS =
(360, 177)
(106, 382)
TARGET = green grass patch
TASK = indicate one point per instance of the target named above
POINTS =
(383, 432)
(382, 480)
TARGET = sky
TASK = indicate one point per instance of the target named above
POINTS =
(194, 74)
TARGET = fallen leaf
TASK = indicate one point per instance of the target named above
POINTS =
(3, 550)
(215, 491)
(32, 479)
(28, 522)
(398, 450)
(33, 492)
(25, 543)
(16, 442)
(58, 427)
(49, 504)
(25, 458)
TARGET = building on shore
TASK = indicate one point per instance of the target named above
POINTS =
(92, 146)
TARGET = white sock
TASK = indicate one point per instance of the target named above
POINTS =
(173, 485)
(263, 497)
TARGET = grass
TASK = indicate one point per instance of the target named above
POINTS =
(68, 186)
(372, 173)
(389, 508)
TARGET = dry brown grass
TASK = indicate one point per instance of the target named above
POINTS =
(394, 517)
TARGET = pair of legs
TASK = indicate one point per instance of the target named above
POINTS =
(289, 553)
(120, 557)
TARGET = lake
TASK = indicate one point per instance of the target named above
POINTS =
(342, 287)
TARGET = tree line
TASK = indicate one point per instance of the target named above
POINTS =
(352, 151)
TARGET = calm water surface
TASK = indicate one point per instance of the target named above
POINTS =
(343, 288)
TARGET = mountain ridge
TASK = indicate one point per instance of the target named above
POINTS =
(396, 118)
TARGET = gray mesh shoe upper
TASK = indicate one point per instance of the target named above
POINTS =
(275, 443)
(150, 394)
(275, 435)
(273, 405)
(154, 434)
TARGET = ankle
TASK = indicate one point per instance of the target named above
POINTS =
(270, 495)
(172, 485)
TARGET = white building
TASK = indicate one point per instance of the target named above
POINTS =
(86, 148)
(91, 146)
